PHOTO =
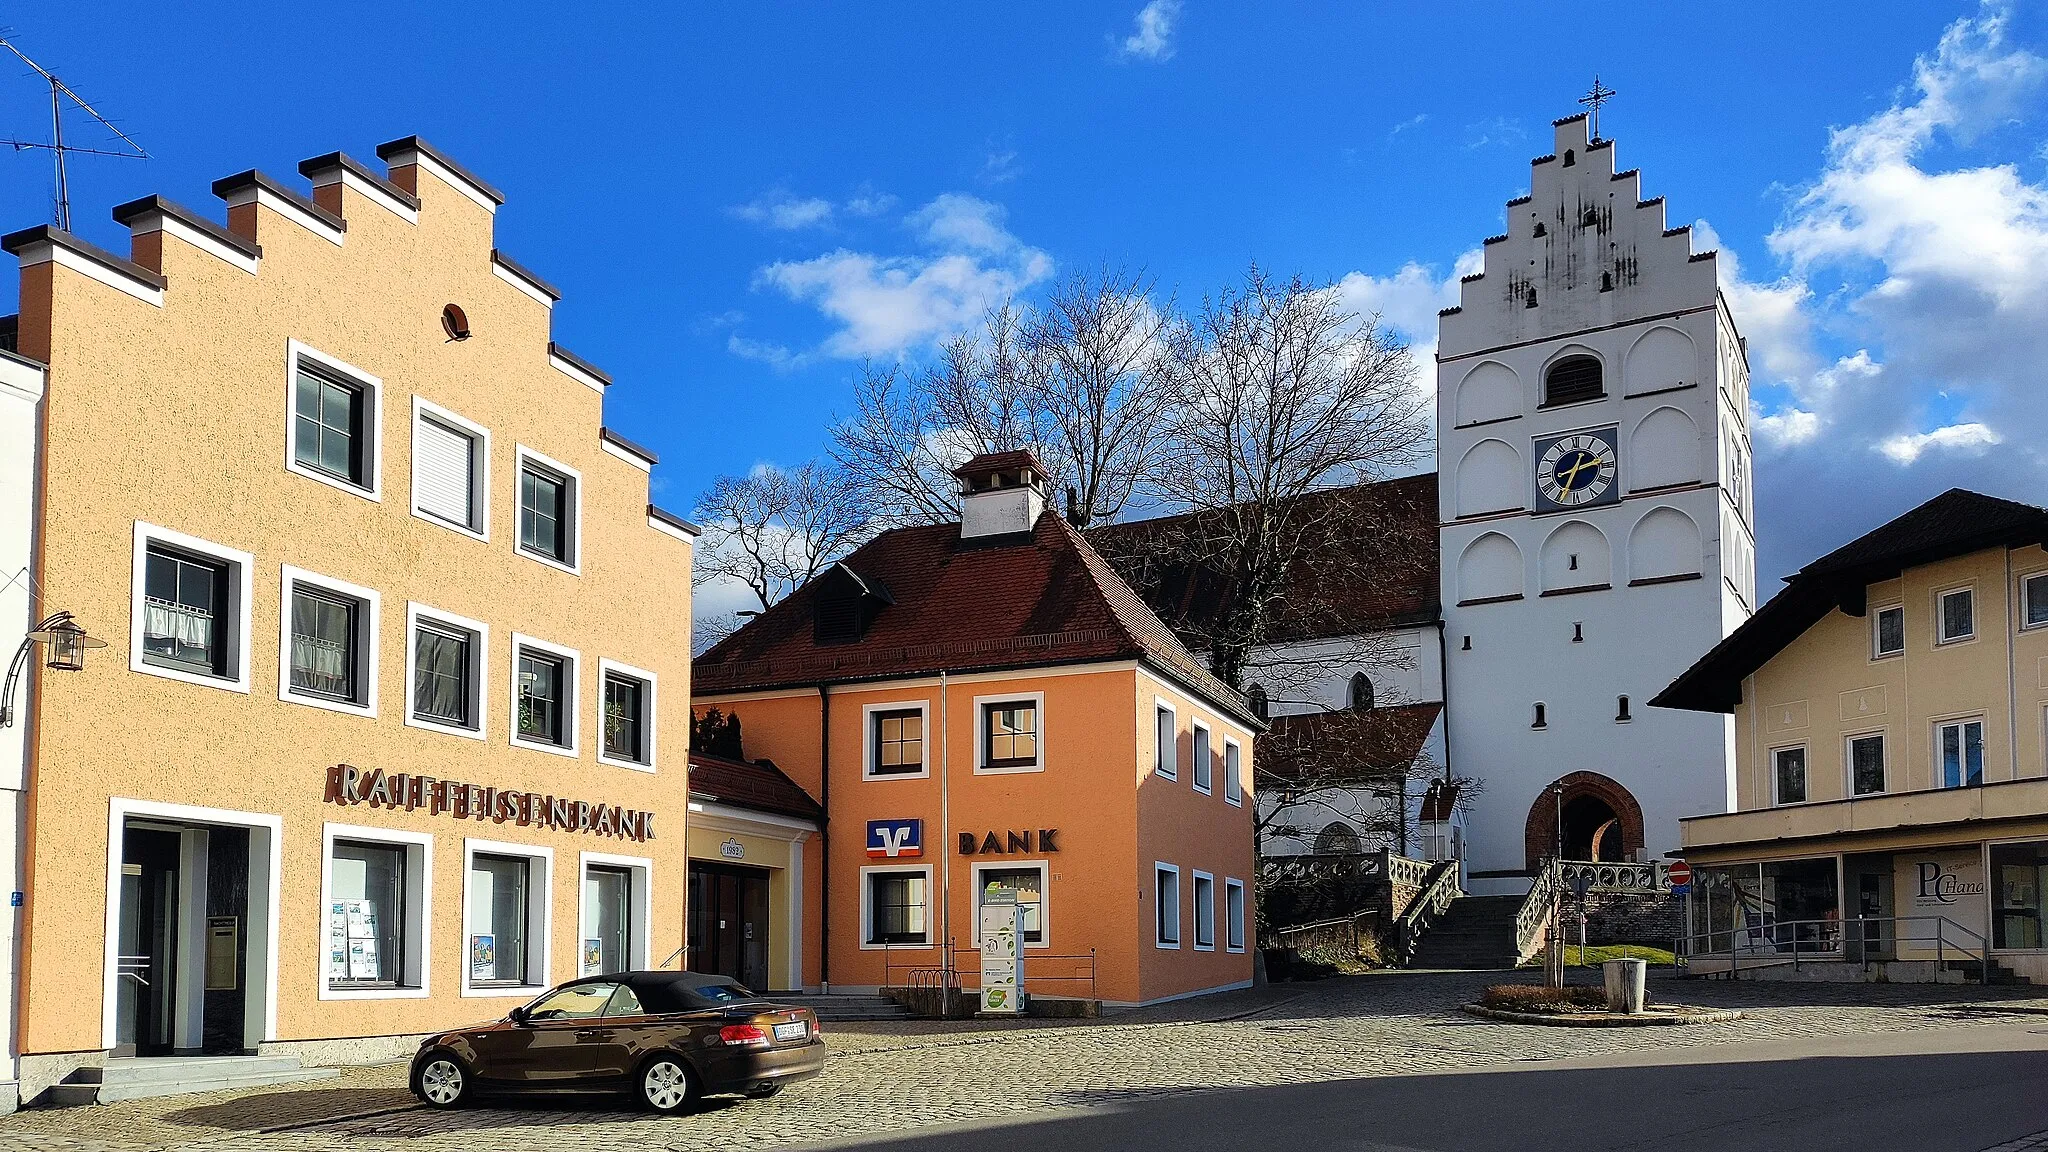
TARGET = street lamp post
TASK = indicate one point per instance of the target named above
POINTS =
(67, 642)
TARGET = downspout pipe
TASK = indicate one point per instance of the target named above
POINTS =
(825, 838)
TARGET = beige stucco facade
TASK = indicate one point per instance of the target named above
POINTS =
(1940, 841)
(169, 403)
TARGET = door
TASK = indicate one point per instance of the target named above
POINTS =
(146, 959)
(729, 933)
(555, 1044)
(608, 918)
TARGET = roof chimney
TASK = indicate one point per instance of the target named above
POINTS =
(1001, 494)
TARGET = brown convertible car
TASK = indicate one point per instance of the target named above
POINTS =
(667, 1037)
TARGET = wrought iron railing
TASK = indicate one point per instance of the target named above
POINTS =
(1616, 875)
(1772, 943)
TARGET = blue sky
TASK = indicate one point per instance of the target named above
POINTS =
(738, 201)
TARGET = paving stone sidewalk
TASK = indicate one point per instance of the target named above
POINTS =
(898, 1075)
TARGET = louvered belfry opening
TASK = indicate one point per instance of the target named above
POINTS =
(1573, 379)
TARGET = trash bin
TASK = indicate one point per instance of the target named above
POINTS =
(1625, 984)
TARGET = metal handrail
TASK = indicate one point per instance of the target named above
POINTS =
(1772, 946)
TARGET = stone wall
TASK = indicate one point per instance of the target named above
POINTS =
(1627, 918)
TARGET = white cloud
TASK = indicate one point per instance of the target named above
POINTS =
(868, 202)
(887, 305)
(1151, 35)
(999, 166)
(1786, 427)
(782, 211)
(1408, 302)
(774, 355)
(1973, 437)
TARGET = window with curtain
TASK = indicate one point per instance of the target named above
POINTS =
(184, 612)
(444, 680)
(323, 649)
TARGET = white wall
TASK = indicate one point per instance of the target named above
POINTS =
(21, 390)
(1671, 357)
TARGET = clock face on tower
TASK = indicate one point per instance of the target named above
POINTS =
(1576, 470)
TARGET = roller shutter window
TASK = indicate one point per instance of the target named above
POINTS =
(444, 460)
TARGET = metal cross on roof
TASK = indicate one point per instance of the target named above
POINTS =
(1594, 99)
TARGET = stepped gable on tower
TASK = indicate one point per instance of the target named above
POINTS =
(1582, 250)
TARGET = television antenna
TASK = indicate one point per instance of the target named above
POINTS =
(59, 93)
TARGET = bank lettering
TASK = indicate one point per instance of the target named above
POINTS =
(1012, 842)
(348, 785)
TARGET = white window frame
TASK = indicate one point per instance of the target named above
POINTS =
(419, 910)
(1202, 879)
(480, 439)
(1201, 754)
(572, 697)
(540, 909)
(1941, 636)
(369, 621)
(1233, 915)
(1159, 940)
(479, 659)
(373, 421)
(1233, 772)
(1884, 745)
(867, 739)
(1165, 753)
(648, 709)
(867, 912)
(1037, 702)
(639, 946)
(241, 566)
(2027, 578)
(1983, 736)
(1876, 616)
(575, 502)
(1044, 868)
(1805, 768)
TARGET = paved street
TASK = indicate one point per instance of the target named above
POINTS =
(1382, 1061)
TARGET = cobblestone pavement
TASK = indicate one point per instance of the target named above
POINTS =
(899, 1075)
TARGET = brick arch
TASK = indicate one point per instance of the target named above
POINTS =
(1540, 833)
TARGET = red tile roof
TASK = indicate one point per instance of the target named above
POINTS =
(760, 786)
(1385, 534)
(963, 606)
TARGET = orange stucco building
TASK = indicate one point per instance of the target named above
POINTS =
(379, 744)
(987, 703)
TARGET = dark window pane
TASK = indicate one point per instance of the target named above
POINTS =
(1866, 764)
(1572, 379)
(2019, 875)
(1957, 618)
(623, 718)
(543, 501)
(440, 689)
(2037, 600)
(1791, 775)
(896, 908)
(1891, 630)
(329, 419)
(540, 698)
(323, 645)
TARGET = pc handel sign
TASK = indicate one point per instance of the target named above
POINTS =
(348, 784)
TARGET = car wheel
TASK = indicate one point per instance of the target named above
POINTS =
(442, 1081)
(763, 1091)
(667, 1085)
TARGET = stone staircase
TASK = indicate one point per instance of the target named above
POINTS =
(1474, 933)
(143, 1077)
(848, 1007)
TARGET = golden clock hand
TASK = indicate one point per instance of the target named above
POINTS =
(1584, 460)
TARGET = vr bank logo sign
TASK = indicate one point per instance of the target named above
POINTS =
(895, 839)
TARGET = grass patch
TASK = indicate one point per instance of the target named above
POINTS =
(1596, 954)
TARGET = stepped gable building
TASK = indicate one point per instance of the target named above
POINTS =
(389, 731)
(1351, 678)
(1890, 706)
(1596, 523)
(988, 705)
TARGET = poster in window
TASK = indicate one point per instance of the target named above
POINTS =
(593, 956)
(483, 957)
(362, 960)
(337, 941)
(362, 921)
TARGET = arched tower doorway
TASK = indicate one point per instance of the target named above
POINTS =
(1600, 820)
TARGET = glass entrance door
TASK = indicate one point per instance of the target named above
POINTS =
(146, 958)
(608, 918)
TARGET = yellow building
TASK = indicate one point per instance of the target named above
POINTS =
(1890, 708)
(391, 729)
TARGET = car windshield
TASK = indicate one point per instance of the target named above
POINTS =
(721, 993)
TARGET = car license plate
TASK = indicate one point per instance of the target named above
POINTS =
(794, 1030)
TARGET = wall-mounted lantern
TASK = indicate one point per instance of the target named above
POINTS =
(67, 642)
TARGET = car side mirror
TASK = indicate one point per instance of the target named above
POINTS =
(517, 1015)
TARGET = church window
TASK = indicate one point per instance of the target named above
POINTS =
(1539, 229)
(1255, 696)
(1570, 158)
(1542, 721)
(1621, 715)
(1572, 379)
(1361, 692)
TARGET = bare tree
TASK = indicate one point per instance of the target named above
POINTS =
(1278, 394)
(1080, 382)
(771, 530)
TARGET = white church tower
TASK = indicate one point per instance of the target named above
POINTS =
(1593, 452)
